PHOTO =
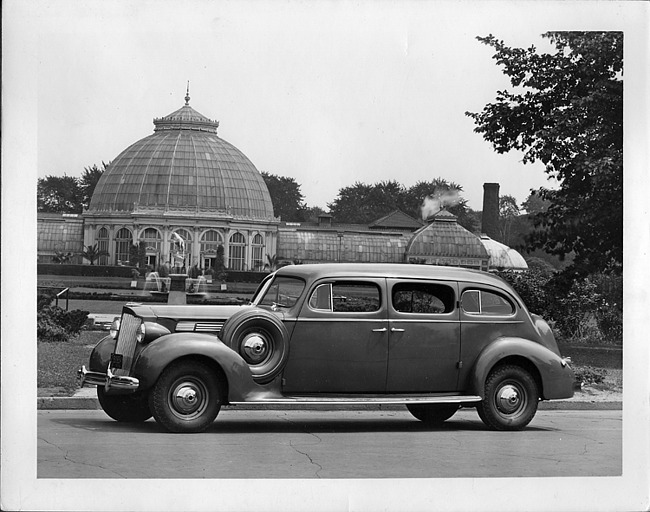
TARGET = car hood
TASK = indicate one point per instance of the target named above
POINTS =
(177, 312)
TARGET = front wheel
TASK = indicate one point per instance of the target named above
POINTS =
(131, 408)
(187, 397)
(432, 414)
(510, 399)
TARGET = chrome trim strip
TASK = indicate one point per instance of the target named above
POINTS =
(384, 320)
(192, 326)
(387, 400)
(492, 321)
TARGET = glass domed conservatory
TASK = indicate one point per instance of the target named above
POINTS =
(183, 185)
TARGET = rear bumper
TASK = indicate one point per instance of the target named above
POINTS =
(108, 380)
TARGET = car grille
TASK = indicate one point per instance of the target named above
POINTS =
(126, 342)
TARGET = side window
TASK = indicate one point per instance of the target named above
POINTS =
(282, 292)
(346, 297)
(423, 298)
(482, 302)
(321, 298)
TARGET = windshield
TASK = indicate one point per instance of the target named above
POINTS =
(282, 292)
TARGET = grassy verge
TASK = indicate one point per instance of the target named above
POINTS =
(58, 363)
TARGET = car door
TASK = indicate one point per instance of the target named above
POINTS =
(424, 336)
(340, 340)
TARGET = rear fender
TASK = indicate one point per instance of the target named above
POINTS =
(157, 355)
(555, 376)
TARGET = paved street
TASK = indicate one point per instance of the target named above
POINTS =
(329, 444)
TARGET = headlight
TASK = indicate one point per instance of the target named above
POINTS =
(149, 331)
(115, 328)
(142, 332)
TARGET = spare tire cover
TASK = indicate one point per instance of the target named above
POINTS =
(261, 339)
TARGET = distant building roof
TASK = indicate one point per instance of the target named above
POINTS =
(446, 238)
(502, 256)
(396, 220)
(313, 245)
(186, 168)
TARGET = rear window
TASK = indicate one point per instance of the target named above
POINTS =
(482, 302)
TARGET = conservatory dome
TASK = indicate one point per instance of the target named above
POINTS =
(503, 257)
(183, 166)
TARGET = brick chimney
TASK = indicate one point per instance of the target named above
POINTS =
(490, 220)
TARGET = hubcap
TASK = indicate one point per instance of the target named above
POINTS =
(188, 399)
(255, 348)
(509, 399)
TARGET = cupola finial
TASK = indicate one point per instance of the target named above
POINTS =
(187, 94)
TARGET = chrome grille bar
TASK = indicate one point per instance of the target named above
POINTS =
(192, 326)
(126, 342)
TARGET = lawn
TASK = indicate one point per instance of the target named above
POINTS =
(58, 363)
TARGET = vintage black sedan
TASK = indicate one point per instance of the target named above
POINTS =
(431, 338)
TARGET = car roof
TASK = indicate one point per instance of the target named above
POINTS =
(394, 270)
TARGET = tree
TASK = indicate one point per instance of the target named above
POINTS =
(567, 112)
(138, 255)
(92, 253)
(428, 197)
(363, 203)
(220, 264)
(535, 204)
(312, 213)
(59, 194)
(351, 204)
(286, 197)
(508, 215)
(88, 182)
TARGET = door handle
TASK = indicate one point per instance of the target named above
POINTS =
(380, 330)
(392, 329)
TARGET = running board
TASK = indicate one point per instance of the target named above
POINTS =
(363, 400)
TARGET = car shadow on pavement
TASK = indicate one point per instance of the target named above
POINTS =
(272, 423)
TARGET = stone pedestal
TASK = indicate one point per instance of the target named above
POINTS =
(177, 293)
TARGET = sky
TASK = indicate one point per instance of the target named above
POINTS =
(328, 93)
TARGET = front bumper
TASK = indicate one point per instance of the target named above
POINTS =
(108, 380)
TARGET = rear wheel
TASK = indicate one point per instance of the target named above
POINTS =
(510, 398)
(432, 414)
(187, 397)
(131, 408)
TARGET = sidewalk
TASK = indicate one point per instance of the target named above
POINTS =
(586, 399)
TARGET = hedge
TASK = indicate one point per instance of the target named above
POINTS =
(240, 276)
(234, 276)
(83, 270)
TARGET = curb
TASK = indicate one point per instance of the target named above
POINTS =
(91, 403)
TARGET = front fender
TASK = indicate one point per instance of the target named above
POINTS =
(556, 375)
(155, 357)
(101, 354)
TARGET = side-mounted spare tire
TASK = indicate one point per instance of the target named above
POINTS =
(261, 339)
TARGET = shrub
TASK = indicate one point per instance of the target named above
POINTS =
(532, 287)
(609, 313)
(44, 297)
(55, 324)
(577, 308)
(590, 375)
